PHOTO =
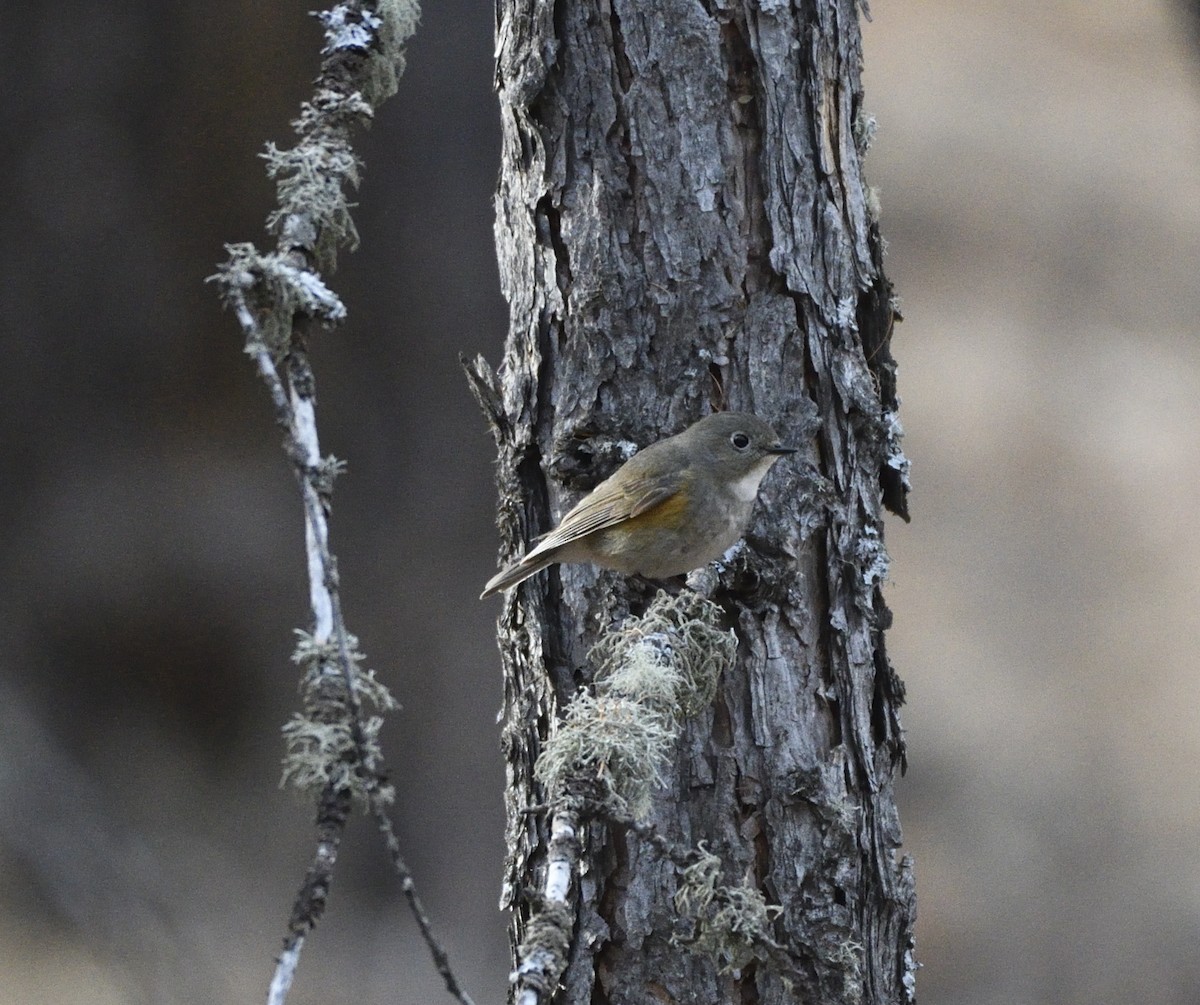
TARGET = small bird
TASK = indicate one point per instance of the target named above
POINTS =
(669, 509)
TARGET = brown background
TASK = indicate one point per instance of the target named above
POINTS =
(1038, 171)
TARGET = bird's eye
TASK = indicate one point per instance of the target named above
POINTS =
(740, 441)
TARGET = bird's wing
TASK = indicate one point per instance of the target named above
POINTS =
(609, 504)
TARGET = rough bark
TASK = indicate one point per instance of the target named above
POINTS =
(682, 224)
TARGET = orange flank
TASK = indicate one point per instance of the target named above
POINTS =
(663, 520)
(667, 515)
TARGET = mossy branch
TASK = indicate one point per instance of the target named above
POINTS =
(280, 298)
(611, 750)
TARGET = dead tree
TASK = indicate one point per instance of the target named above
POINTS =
(682, 226)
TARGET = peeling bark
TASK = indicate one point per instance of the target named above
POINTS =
(682, 225)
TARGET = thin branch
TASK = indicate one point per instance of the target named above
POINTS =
(310, 902)
(542, 955)
(301, 445)
(277, 299)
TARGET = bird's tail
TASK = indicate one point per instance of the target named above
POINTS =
(517, 573)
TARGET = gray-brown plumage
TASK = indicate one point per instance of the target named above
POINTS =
(672, 507)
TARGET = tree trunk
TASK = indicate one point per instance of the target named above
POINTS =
(682, 226)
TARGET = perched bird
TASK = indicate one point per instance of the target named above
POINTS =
(669, 509)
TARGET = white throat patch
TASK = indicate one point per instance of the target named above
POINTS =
(746, 487)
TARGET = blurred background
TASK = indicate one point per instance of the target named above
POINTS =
(1038, 167)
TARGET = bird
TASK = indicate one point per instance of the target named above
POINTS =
(670, 508)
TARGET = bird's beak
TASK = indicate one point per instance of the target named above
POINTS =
(779, 448)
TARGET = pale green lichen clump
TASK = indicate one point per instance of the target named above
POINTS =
(321, 748)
